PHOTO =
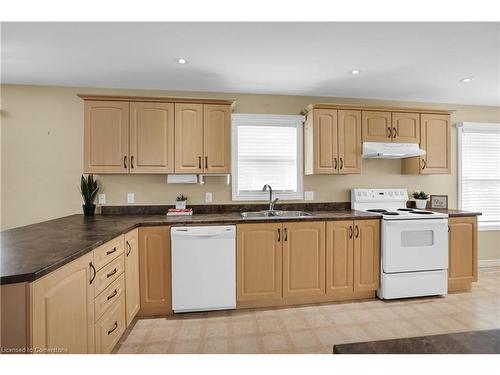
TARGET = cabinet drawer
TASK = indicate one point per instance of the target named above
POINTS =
(110, 327)
(112, 293)
(108, 274)
(107, 252)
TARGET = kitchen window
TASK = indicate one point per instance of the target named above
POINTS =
(479, 172)
(267, 149)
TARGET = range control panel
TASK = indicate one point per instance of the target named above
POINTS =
(378, 195)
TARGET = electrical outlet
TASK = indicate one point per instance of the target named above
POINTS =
(309, 195)
(102, 198)
(130, 197)
(208, 197)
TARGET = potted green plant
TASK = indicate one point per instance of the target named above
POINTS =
(88, 189)
(180, 202)
(420, 198)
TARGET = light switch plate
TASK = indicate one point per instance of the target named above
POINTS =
(208, 197)
(102, 198)
(130, 197)
(309, 195)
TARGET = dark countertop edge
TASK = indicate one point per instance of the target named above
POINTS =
(355, 215)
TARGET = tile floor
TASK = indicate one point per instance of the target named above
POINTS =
(316, 328)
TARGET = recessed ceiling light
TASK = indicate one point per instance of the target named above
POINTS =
(355, 72)
(465, 80)
(181, 61)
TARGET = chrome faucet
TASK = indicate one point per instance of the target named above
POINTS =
(272, 202)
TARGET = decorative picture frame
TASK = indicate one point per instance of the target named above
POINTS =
(439, 201)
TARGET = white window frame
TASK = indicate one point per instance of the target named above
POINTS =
(483, 127)
(239, 119)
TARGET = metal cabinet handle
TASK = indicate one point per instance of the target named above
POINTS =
(424, 164)
(199, 162)
(129, 247)
(113, 294)
(341, 163)
(125, 162)
(111, 251)
(335, 161)
(115, 326)
(357, 231)
(350, 231)
(286, 235)
(389, 132)
(206, 162)
(448, 229)
(132, 161)
(279, 234)
(395, 133)
(111, 273)
(92, 268)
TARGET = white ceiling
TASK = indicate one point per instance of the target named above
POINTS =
(402, 61)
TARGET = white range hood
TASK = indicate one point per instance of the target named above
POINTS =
(379, 150)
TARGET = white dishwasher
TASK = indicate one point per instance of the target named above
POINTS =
(203, 268)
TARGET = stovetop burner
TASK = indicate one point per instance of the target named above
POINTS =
(377, 210)
(390, 213)
(405, 209)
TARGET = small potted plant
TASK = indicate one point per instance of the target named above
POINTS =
(420, 198)
(180, 202)
(88, 189)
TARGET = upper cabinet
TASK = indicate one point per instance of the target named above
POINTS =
(106, 137)
(377, 126)
(405, 127)
(156, 135)
(332, 142)
(435, 140)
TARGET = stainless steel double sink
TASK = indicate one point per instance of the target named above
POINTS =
(275, 214)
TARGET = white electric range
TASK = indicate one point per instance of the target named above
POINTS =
(414, 245)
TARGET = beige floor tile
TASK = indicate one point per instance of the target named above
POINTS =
(246, 345)
(275, 341)
(244, 328)
(354, 334)
(294, 323)
(166, 333)
(304, 339)
(138, 336)
(269, 325)
(190, 332)
(216, 346)
(318, 320)
(330, 336)
(159, 347)
(342, 318)
(187, 347)
(129, 349)
(217, 330)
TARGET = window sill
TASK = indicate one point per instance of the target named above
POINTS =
(265, 198)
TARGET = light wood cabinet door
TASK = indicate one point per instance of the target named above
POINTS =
(110, 327)
(349, 142)
(188, 138)
(462, 252)
(303, 259)
(62, 309)
(154, 271)
(259, 262)
(366, 255)
(151, 137)
(216, 138)
(132, 295)
(339, 258)
(106, 136)
(405, 127)
(325, 132)
(435, 140)
(376, 126)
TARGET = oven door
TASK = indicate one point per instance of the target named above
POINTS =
(414, 245)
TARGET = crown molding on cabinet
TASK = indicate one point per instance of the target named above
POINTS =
(375, 108)
(156, 99)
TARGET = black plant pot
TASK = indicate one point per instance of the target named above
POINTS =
(88, 209)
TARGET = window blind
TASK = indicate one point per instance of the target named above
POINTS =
(266, 151)
(480, 171)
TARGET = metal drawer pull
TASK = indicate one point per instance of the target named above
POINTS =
(279, 235)
(113, 329)
(335, 160)
(132, 161)
(113, 294)
(424, 164)
(350, 231)
(206, 162)
(111, 273)
(129, 248)
(389, 132)
(395, 133)
(341, 163)
(92, 268)
(125, 162)
(286, 235)
(111, 251)
(199, 162)
(357, 231)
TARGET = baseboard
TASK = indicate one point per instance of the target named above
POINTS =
(486, 263)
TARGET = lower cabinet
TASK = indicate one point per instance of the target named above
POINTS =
(62, 309)
(353, 257)
(154, 271)
(132, 296)
(110, 327)
(462, 252)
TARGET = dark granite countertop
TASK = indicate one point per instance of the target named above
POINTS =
(474, 342)
(456, 213)
(30, 252)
